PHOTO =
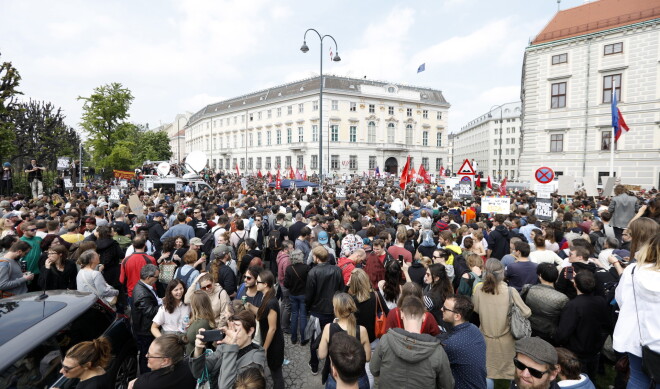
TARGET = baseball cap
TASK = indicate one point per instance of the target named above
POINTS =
(221, 250)
(158, 214)
(323, 237)
(538, 349)
(196, 241)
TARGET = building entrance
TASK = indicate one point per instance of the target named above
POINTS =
(392, 166)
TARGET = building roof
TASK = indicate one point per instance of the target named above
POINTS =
(506, 110)
(311, 85)
(597, 16)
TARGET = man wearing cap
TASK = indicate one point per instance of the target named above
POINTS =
(35, 178)
(535, 364)
(226, 276)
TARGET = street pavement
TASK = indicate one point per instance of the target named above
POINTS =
(297, 374)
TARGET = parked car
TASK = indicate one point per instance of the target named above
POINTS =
(36, 333)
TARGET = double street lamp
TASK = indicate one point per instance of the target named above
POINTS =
(336, 58)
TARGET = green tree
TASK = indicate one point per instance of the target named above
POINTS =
(9, 82)
(154, 146)
(104, 118)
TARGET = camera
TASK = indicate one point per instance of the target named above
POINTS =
(213, 335)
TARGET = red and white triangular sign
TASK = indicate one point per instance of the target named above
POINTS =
(466, 168)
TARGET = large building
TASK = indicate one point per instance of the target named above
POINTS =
(492, 141)
(368, 124)
(568, 73)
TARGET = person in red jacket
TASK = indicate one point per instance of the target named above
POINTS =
(375, 266)
(130, 268)
(429, 324)
(347, 265)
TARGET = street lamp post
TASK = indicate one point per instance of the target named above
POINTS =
(336, 58)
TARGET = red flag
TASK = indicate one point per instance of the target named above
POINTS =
(292, 175)
(259, 174)
(423, 175)
(270, 178)
(405, 174)
(442, 171)
(503, 187)
(238, 172)
(298, 175)
(305, 173)
(278, 180)
(478, 183)
(489, 184)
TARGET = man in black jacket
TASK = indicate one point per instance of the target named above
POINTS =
(323, 281)
(584, 323)
(226, 276)
(156, 230)
(498, 239)
(199, 223)
(145, 307)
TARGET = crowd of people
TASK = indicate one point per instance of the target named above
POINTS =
(399, 288)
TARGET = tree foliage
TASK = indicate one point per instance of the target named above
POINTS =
(9, 82)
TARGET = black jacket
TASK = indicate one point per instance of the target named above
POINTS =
(111, 256)
(566, 286)
(583, 326)
(227, 279)
(323, 281)
(156, 230)
(498, 242)
(295, 278)
(145, 307)
(201, 227)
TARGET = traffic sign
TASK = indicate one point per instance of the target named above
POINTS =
(466, 179)
(466, 168)
(544, 175)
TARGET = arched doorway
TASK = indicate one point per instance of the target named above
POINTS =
(392, 165)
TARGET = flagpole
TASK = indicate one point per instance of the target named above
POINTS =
(613, 130)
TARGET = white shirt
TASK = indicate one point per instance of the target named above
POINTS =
(174, 321)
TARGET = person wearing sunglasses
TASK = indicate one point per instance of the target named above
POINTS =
(32, 257)
(86, 361)
(218, 296)
(169, 367)
(535, 364)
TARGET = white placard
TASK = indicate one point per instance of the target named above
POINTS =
(464, 189)
(609, 186)
(543, 191)
(135, 204)
(420, 189)
(590, 186)
(341, 192)
(309, 190)
(63, 163)
(123, 183)
(544, 209)
(80, 184)
(114, 193)
(244, 183)
(68, 184)
(496, 205)
(148, 185)
(178, 187)
(566, 186)
(381, 183)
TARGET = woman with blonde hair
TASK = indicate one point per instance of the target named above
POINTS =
(640, 231)
(201, 316)
(218, 296)
(344, 307)
(491, 301)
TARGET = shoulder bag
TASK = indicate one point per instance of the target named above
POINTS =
(520, 326)
(379, 324)
(650, 358)
(110, 300)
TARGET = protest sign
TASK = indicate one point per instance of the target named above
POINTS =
(135, 204)
(464, 189)
(114, 194)
(63, 163)
(496, 205)
(544, 209)
(543, 191)
(68, 184)
(341, 192)
(566, 186)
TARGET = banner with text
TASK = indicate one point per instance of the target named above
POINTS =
(544, 209)
(496, 205)
(124, 174)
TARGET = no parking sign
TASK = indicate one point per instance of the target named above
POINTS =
(544, 175)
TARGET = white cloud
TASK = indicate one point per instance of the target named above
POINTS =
(196, 102)
(499, 95)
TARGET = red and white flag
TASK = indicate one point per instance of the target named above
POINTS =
(423, 175)
(278, 180)
(298, 175)
(478, 182)
(442, 171)
(489, 184)
(503, 187)
(270, 178)
(305, 173)
(405, 174)
(238, 172)
(259, 174)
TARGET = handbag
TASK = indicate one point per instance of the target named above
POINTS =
(650, 358)
(110, 300)
(167, 271)
(519, 325)
(379, 323)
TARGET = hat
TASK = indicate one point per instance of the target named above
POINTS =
(323, 237)
(220, 251)
(537, 349)
(158, 214)
(9, 215)
(90, 220)
(6, 164)
(622, 253)
(194, 241)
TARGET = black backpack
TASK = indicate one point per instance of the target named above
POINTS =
(208, 241)
(460, 267)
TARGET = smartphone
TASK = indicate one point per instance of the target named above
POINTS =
(23, 266)
(401, 259)
(213, 335)
(570, 273)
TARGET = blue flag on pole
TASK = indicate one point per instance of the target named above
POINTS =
(421, 68)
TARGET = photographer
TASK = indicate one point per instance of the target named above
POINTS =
(234, 353)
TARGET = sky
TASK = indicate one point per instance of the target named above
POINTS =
(178, 56)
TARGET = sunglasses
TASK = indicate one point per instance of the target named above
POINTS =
(207, 287)
(68, 369)
(533, 372)
(153, 357)
(447, 309)
(31, 229)
(249, 278)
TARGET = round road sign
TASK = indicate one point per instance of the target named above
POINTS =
(544, 175)
(466, 179)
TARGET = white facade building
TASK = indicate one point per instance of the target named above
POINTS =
(368, 124)
(568, 72)
(492, 141)
(176, 134)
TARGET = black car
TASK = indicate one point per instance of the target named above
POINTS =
(36, 333)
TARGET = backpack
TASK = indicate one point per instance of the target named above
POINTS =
(208, 241)
(184, 278)
(124, 241)
(466, 286)
(241, 249)
(273, 240)
(460, 267)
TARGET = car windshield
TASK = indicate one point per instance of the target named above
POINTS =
(16, 318)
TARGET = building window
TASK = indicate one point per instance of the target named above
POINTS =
(301, 108)
(299, 163)
(279, 112)
(425, 138)
(235, 141)
(334, 162)
(425, 114)
(353, 134)
(372, 162)
(335, 105)
(558, 97)
(250, 140)
(279, 137)
(242, 140)
(372, 108)
(287, 162)
(268, 142)
(289, 110)
(258, 139)
(438, 139)
(258, 162)
(559, 58)
(270, 114)
(301, 133)
(439, 115)
(371, 132)
(235, 163)
(315, 162)
(315, 133)
(607, 87)
(557, 142)
(258, 117)
(242, 163)
(353, 107)
(334, 133)
(251, 116)
(412, 162)
(242, 118)
(513, 161)
(352, 162)
(220, 163)
(268, 164)
(288, 135)
(409, 134)
(438, 163)
(614, 48)
(409, 112)
(250, 163)
(390, 110)
(425, 162)
(606, 140)
(390, 133)
(278, 162)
